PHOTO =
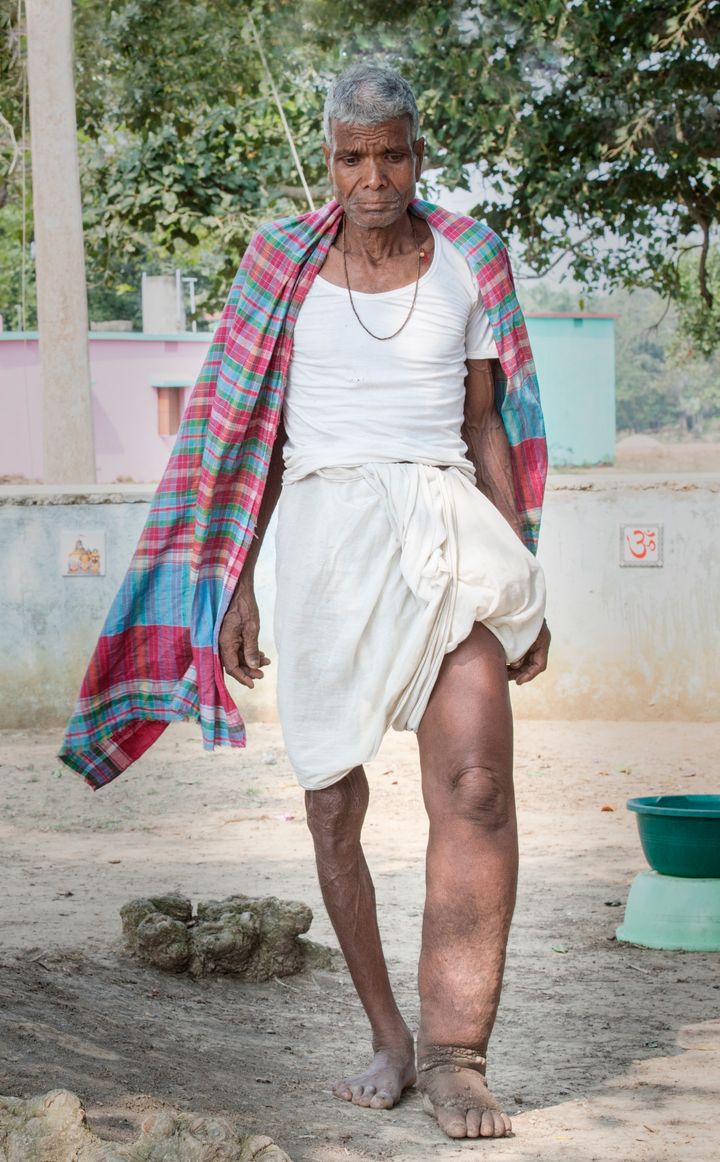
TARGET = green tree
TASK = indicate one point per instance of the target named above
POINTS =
(699, 324)
(662, 381)
(17, 275)
(694, 349)
(182, 150)
(593, 125)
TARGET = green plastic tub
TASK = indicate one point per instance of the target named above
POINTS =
(673, 912)
(680, 834)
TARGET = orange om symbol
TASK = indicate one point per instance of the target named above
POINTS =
(644, 542)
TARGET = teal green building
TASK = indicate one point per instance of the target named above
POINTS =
(575, 360)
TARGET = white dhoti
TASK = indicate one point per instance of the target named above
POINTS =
(382, 569)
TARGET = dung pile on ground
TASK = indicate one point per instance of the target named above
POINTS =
(258, 939)
(53, 1128)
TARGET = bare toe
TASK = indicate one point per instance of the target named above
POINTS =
(452, 1122)
(493, 1124)
(473, 1119)
(382, 1101)
(382, 1085)
(487, 1125)
(365, 1096)
(454, 1090)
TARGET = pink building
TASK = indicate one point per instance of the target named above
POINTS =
(140, 384)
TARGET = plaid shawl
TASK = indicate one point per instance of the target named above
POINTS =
(156, 660)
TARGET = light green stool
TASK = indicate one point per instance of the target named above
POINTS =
(673, 912)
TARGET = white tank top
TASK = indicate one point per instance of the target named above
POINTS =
(351, 399)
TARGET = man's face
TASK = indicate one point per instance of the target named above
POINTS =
(373, 170)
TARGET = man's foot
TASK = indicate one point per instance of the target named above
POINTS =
(381, 1086)
(452, 1082)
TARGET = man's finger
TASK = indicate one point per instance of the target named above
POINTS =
(229, 641)
(250, 647)
(230, 658)
(515, 668)
(240, 654)
(536, 664)
(253, 671)
(253, 658)
(239, 675)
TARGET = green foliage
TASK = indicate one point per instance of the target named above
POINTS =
(182, 150)
(593, 126)
(660, 380)
(11, 269)
(645, 397)
(700, 322)
(11, 216)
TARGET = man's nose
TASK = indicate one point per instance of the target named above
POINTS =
(375, 176)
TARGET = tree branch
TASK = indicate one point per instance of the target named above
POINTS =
(13, 142)
(704, 224)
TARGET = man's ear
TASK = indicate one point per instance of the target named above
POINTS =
(419, 151)
(326, 155)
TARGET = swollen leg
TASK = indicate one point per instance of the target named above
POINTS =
(465, 742)
(335, 817)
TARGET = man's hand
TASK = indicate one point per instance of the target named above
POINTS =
(238, 639)
(535, 660)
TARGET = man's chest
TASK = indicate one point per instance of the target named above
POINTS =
(333, 332)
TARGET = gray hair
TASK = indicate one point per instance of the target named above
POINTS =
(366, 94)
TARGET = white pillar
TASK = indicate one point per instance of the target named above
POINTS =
(69, 454)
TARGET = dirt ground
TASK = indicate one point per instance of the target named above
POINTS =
(601, 1050)
(645, 453)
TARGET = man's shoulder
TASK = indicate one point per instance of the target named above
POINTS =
(462, 229)
(456, 227)
(291, 228)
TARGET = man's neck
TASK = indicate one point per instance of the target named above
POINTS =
(375, 245)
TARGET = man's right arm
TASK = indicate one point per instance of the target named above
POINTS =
(238, 640)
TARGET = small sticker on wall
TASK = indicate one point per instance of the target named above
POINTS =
(641, 544)
(82, 552)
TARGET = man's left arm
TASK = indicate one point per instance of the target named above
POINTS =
(485, 436)
(488, 448)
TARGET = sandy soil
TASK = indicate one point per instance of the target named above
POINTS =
(601, 1051)
(645, 453)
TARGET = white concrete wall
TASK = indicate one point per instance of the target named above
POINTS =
(631, 643)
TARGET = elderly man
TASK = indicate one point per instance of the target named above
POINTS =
(405, 597)
(371, 376)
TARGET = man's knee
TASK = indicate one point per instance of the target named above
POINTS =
(482, 795)
(335, 814)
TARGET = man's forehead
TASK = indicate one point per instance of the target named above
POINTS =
(348, 136)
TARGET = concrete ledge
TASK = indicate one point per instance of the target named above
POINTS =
(570, 481)
(46, 494)
(613, 480)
